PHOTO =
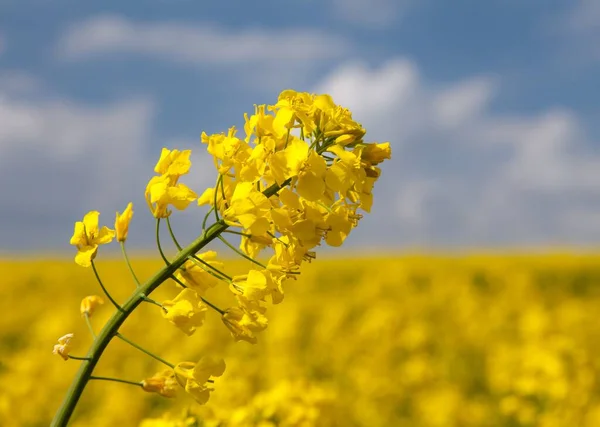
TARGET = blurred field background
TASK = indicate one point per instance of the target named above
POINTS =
(480, 340)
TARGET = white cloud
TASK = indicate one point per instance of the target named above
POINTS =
(60, 158)
(575, 33)
(585, 17)
(197, 44)
(370, 13)
(462, 173)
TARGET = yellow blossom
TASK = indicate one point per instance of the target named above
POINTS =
(161, 192)
(122, 222)
(173, 163)
(163, 383)
(87, 237)
(186, 311)
(64, 346)
(376, 153)
(193, 377)
(249, 207)
(196, 276)
(245, 320)
(89, 304)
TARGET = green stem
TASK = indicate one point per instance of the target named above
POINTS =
(104, 289)
(89, 324)
(219, 180)
(206, 218)
(222, 239)
(275, 237)
(137, 281)
(78, 357)
(211, 305)
(117, 380)
(151, 301)
(175, 242)
(223, 192)
(143, 350)
(162, 254)
(199, 261)
(114, 323)
(239, 233)
(64, 413)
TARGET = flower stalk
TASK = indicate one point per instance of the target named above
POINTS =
(111, 328)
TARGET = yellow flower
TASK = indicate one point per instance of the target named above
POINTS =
(244, 321)
(198, 278)
(162, 192)
(89, 304)
(376, 153)
(250, 208)
(173, 162)
(122, 222)
(257, 284)
(186, 311)
(194, 376)
(64, 346)
(87, 237)
(163, 383)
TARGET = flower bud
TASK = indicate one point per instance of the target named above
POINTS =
(64, 346)
(122, 222)
(89, 304)
(163, 383)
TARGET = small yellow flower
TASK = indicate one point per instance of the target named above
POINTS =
(64, 346)
(89, 304)
(186, 311)
(376, 153)
(163, 383)
(194, 376)
(87, 237)
(173, 162)
(122, 222)
(244, 321)
(161, 192)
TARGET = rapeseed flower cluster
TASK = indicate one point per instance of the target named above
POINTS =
(297, 178)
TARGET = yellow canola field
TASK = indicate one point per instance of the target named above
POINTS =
(484, 340)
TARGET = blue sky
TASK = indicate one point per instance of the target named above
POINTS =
(491, 109)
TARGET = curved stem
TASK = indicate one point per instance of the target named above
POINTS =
(114, 323)
(162, 254)
(143, 350)
(206, 218)
(175, 242)
(63, 414)
(137, 281)
(219, 180)
(117, 380)
(151, 301)
(104, 289)
(275, 237)
(239, 233)
(197, 260)
(78, 357)
(89, 324)
(222, 239)
(211, 305)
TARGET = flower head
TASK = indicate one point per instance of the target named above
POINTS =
(64, 346)
(194, 376)
(186, 311)
(87, 237)
(244, 321)
(122, 222)
(163, 383)
(89, 304)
